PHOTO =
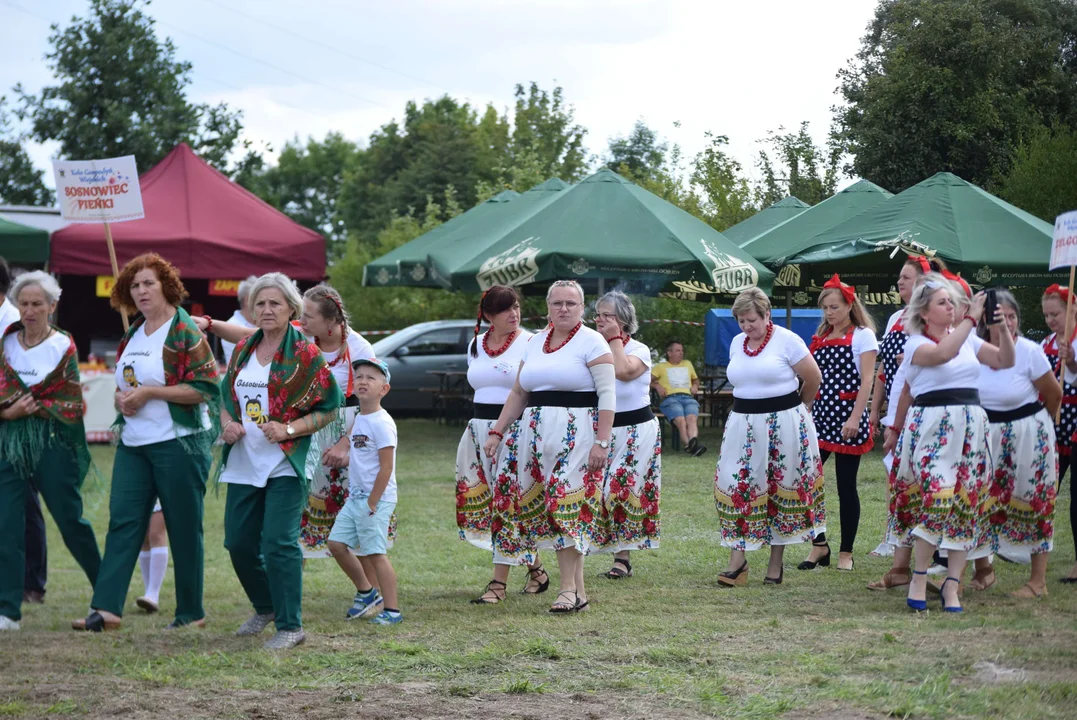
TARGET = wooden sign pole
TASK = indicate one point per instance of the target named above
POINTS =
(116, 271)
(1065, 338)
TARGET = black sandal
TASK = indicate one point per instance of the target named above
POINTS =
(616, 573)
(823, 561)
(563, 608)
(533, 574)
(482, 600)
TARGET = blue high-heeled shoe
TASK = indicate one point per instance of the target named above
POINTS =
(945, 607)
(916, 605)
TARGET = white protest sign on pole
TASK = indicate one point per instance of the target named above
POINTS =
(100, 191)
(1063, 254)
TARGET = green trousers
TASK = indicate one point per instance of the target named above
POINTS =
(177, 478)
(261, 533)
(56, 477)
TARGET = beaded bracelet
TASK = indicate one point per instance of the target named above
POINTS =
(209, 321)
(501, 436)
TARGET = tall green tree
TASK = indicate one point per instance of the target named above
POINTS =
(727, 196)
(794, 165)
(119, 90)
(1043, 177)
(20, 182)
(544, 127)
(956, 85)
(641, 153)
(305, 184)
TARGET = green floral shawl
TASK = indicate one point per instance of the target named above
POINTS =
(188, 359)
(300, 383)
(60, 394)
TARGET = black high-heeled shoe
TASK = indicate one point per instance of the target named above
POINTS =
(775, 581)
(734, 578)
(823, 561)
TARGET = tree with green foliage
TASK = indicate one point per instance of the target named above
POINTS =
(120, 91)
(1043, 177)
(956, 86)
(799, 167)
(727, 197)
(305, 184)
(544, 126)
(20, 182)
(640, 154)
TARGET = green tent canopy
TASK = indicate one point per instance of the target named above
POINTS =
(764, 220)
(795, 233)
(987, 240)
(22, 244)
(445, 256)
(606, 227)
(407, 264)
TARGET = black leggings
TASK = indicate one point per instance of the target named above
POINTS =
(846, 468)
(1063, 466)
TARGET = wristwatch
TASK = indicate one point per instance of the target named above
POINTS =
(290, 429)
(604, 444)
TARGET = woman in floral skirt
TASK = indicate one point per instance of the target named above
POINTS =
(1019, 502)
(492, 361)
(633, 484)
(565, 389)
(942, 458)
(768, 487)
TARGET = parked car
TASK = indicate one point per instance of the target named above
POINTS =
(412, 352)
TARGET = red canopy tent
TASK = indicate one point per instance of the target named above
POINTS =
(201, 222)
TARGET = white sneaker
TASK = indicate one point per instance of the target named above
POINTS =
(7, 623)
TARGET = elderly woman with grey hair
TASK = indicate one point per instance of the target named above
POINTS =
(278, 392)
(633, 484)
(42, 438)
(242, 317)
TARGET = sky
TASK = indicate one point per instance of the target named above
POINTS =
(303, 69)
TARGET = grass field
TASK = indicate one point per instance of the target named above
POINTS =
(666, 643)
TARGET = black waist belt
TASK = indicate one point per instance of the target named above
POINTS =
(955, 396)
(632, 417)
(557, 398)
(766, 405)
(487, 411)
(1007, 416)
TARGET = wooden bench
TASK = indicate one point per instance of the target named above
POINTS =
(674, 436)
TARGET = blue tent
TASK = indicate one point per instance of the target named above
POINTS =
(721, 327)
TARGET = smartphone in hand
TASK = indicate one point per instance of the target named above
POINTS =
(990, 306)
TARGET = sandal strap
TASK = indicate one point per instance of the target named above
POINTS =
(495, 582)
(533, 572)
(623, 562)
(919, 572)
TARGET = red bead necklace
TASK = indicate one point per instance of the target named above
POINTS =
(546, 345)
(500, 350)
(766, 339)
(933, 338)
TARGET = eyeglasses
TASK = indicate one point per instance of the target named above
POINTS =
(564, 304)
(607, 317)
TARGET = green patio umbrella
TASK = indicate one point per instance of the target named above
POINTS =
(987, 240)
(766, 219)
(795, 233)
(22, 244)
(406, 265)
(609, 228)
(446, 255)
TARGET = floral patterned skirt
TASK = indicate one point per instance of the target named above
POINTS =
(942, 464)
(545, 497)
(633, 486)
(1018, 505)
(328, 493)
(768, 487)
(473, 494)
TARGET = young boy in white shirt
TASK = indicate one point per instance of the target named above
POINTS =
(369, 452)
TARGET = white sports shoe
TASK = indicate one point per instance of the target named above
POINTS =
(7, 623)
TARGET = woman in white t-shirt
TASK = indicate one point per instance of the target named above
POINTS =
(167, 393)
(42, 437)
(844, 348)
(768, 486)
(942, 460)
(1018, 501)
(484, 490)
(632, 491)
(278, 392)
(565, 388)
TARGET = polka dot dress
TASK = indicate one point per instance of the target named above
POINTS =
(892, 346)
(837, 396)
(1067, 422)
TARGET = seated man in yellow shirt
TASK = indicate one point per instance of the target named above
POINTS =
(677, 384)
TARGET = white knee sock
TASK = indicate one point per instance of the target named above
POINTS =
(144, 566)
(158, 568)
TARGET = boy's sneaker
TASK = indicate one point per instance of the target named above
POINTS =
(7, 623)
(387, 618)
(364, 604)
(285, 640)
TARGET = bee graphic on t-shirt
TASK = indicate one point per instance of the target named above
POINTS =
(253, 408)
(359, 441)
(129, 376)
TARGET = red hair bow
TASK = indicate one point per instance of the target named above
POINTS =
(925, 266)
(959, 280)
(847, 291)
(1057, 289)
